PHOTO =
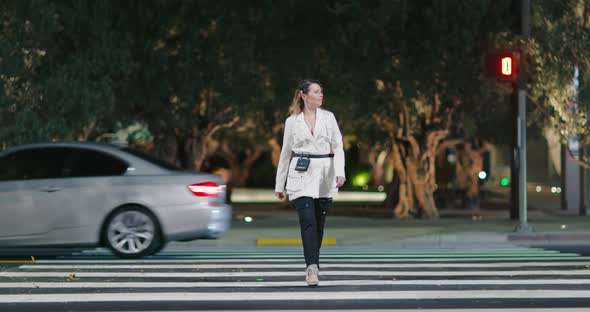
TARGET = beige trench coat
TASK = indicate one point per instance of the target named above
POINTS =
(320, 178)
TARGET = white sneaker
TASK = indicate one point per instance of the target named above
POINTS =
(311, 275)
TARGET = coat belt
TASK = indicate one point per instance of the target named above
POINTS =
(313, 156)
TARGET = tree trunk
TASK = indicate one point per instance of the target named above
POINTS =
(405, 204)
(167, 149)
(416, 188)
(87, 131)
(425, 196)
(196, 150)
(554, 146)
(275, 151)
(241, 169)
(377, 161)
(244, 169)
(469, 165)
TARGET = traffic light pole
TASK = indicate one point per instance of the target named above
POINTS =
(523, 225)
(514, 159)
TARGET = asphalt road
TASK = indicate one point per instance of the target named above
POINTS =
(271, 278)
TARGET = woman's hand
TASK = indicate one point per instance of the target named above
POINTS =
(280, 195)
(340, 181)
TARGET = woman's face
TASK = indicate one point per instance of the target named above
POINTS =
(314, 96)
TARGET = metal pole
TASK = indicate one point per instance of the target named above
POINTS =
(586, 189)
(514, 160)
(523, 225)
(582, 208)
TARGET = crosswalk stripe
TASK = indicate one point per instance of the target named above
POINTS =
(341, 250)
(361, 253)
(351, 252)
(324, 260)
(298, 265)
(429, 310)
(391, 253)
(217, 284)
(514, 276)
(414, 310)
(303, 296)
(578, 272)
(412, 256)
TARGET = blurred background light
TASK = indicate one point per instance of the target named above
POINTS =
(360, 179)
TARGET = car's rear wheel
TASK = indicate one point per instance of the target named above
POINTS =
(133, 232)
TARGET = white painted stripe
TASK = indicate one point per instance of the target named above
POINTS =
(302, 296)
(335, 250)
(414, 310)
(300, 259)
(399, 251)
(295, 266)
(42, 285)
(180, 247)
(292, 273)
(415, 256)
(343, 249)
(340, 250)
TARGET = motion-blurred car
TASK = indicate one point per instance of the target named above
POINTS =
(88, 194)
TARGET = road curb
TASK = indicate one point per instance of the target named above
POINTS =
(549, 237)
(290, 242)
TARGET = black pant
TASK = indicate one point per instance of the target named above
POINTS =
(312, 217)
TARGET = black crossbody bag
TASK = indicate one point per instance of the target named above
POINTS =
(302, 163)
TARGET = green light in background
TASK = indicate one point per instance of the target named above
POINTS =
(360, 179)
(504, 181)
(248, 219)
(482, 175)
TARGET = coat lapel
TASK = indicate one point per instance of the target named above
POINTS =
(319, 129)
(320, 124)
(303, 128)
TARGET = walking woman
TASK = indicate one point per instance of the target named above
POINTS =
(311, 168)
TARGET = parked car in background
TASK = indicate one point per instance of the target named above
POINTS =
(90, 194)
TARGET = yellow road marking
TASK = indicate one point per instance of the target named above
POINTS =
(19, 261)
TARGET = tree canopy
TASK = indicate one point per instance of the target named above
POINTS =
(204, 77)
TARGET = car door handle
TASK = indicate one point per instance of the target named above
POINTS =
(50, 189)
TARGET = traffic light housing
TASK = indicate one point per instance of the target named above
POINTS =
(503, 65)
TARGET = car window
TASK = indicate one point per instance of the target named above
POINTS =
(83, 162)
(33, 163)
(8, 170)
(151, 159)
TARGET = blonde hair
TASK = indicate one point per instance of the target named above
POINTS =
(297, 104)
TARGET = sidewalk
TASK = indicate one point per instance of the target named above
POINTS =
(368, 226)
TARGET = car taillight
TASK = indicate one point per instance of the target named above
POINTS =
(205, 189)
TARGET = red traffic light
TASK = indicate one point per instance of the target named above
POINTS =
(503, 65)
(506, 66)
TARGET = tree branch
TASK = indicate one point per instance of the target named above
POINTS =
(228, 152)
(414, 144)
(448, 143)
(406, 117)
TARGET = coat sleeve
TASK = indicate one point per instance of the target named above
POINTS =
(285, 158)
(338, 148)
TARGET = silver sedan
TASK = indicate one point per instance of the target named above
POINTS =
(87, 194)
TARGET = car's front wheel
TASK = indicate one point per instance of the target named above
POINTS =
(133, 232)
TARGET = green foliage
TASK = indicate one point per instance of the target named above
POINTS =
(561, 42)
(76, 69)
(62, 72)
